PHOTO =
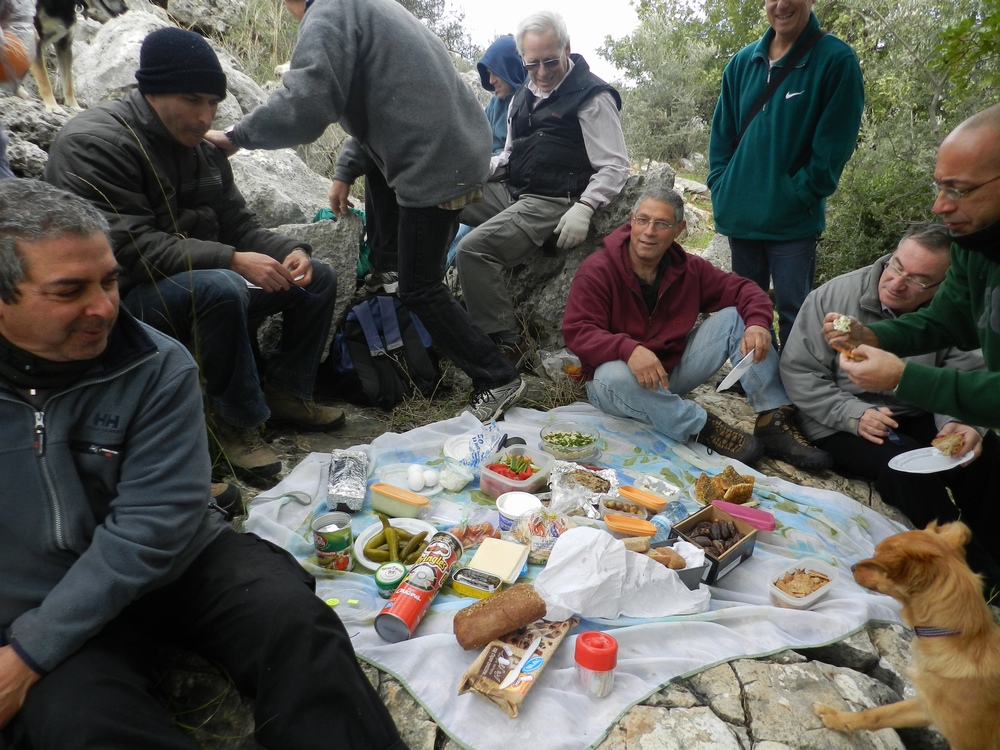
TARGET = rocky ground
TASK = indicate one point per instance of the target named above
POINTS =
(746, 704)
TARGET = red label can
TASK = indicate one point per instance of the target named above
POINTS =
(412, 598)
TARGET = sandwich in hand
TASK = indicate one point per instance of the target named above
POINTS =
(949, 445)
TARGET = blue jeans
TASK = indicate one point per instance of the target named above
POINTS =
(792, 266)
(423, 238)
(210, 311)
(615, 390)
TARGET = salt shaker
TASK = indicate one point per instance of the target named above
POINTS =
(596, 659)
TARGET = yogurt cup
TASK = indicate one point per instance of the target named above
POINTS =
(513, 504)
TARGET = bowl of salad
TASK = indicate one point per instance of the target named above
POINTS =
(569, 441)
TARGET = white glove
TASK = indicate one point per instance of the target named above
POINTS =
(574, 225)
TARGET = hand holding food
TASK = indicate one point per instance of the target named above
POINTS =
(949, 445)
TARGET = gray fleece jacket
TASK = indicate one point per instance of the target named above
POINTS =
(828, 401)
(104, 495)
(390, 83)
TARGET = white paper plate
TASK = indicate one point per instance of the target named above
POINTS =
(926, 461)
(413, 525)
(737, 372)
(457, 447)
(396, 475)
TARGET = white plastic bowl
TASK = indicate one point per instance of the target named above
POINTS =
(780, 599)
(413, 525)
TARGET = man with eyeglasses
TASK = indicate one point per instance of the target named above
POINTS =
(964, 313)
(862, 430)
(772, 165)
(565, 158)
(632, 319)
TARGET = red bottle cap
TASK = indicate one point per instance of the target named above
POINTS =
(596, 651)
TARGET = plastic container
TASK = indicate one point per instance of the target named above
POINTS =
(760, 519)
(388, 577)
(454, 475)
(622, 507)
(397, 502)
(552, 444)
(629, 525)
(596, 658)
(510, 505)
(495, 485)
(780, 599)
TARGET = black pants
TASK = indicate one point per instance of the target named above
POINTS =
(924, 497)
(422, 237)
(245, 605)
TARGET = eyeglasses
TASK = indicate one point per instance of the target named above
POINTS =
(551, 63)
(954, 194)
(658, 226)
(896, 271)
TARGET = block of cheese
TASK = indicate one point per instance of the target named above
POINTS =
(501, 558)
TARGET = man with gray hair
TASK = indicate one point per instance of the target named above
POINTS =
(632, 319)
(110, 550)
(565, 158)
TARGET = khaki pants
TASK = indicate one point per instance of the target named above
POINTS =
(507, 233)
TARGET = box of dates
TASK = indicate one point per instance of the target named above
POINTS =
(727, 541)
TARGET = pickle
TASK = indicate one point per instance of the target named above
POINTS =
(412, 545)
(376, 541)
(377, 555)
(393, 541)
(415, 555)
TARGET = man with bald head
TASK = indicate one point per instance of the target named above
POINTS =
(965, 312)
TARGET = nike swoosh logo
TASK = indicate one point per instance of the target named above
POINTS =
(790, 94)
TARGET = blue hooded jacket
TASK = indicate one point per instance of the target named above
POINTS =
(501, 57)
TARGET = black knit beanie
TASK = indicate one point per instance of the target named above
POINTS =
(175, 61)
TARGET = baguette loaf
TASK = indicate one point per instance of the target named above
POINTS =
(497, 615)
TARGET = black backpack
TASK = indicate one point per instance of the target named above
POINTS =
(380, 354)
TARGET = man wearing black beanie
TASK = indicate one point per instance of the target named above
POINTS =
(197, 263)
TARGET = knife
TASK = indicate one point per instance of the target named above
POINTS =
(513, 673)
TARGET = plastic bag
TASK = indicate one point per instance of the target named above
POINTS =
(561, 364)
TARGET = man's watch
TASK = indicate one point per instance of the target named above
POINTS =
(228, 132)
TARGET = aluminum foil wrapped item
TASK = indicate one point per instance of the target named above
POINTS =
(578, 491)
(348, 480)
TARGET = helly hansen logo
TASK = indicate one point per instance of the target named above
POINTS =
(107, 421)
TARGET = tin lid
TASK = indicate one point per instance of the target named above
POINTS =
(596, 651)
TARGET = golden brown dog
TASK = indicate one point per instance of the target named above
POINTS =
(956, 649)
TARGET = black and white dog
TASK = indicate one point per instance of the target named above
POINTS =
(55, 23)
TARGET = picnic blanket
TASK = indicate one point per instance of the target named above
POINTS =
(740, 622)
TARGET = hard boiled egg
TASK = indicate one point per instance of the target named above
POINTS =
(430, 477)
(415, 477)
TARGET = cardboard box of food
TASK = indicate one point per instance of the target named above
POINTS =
(718, 564)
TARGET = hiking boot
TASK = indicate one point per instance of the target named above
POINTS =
(228, 499)
(245, 451)
(291, 411)
(386, 282)
(492, 402)
(782, 440)
(729, 441)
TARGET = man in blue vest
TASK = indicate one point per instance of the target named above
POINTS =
(565, 157)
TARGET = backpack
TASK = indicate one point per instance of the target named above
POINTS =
(380, 354)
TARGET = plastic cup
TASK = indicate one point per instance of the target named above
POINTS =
(513, 504)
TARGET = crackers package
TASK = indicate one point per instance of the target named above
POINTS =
(506, 653)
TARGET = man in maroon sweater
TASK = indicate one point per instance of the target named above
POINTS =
(631, 318)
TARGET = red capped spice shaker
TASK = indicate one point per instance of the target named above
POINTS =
(596, 659)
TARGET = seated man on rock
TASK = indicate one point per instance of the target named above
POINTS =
(632, 319)
(565, 158)
(109, 548)
(197, 264)
(864, 430)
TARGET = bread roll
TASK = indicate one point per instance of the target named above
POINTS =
(668, 557)
(498, 615)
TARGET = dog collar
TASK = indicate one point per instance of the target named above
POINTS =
(934, 632)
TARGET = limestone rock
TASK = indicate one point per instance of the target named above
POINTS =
(279, 187)
(722, 691)
(855, 652)
(717, 253)
(671, 729)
